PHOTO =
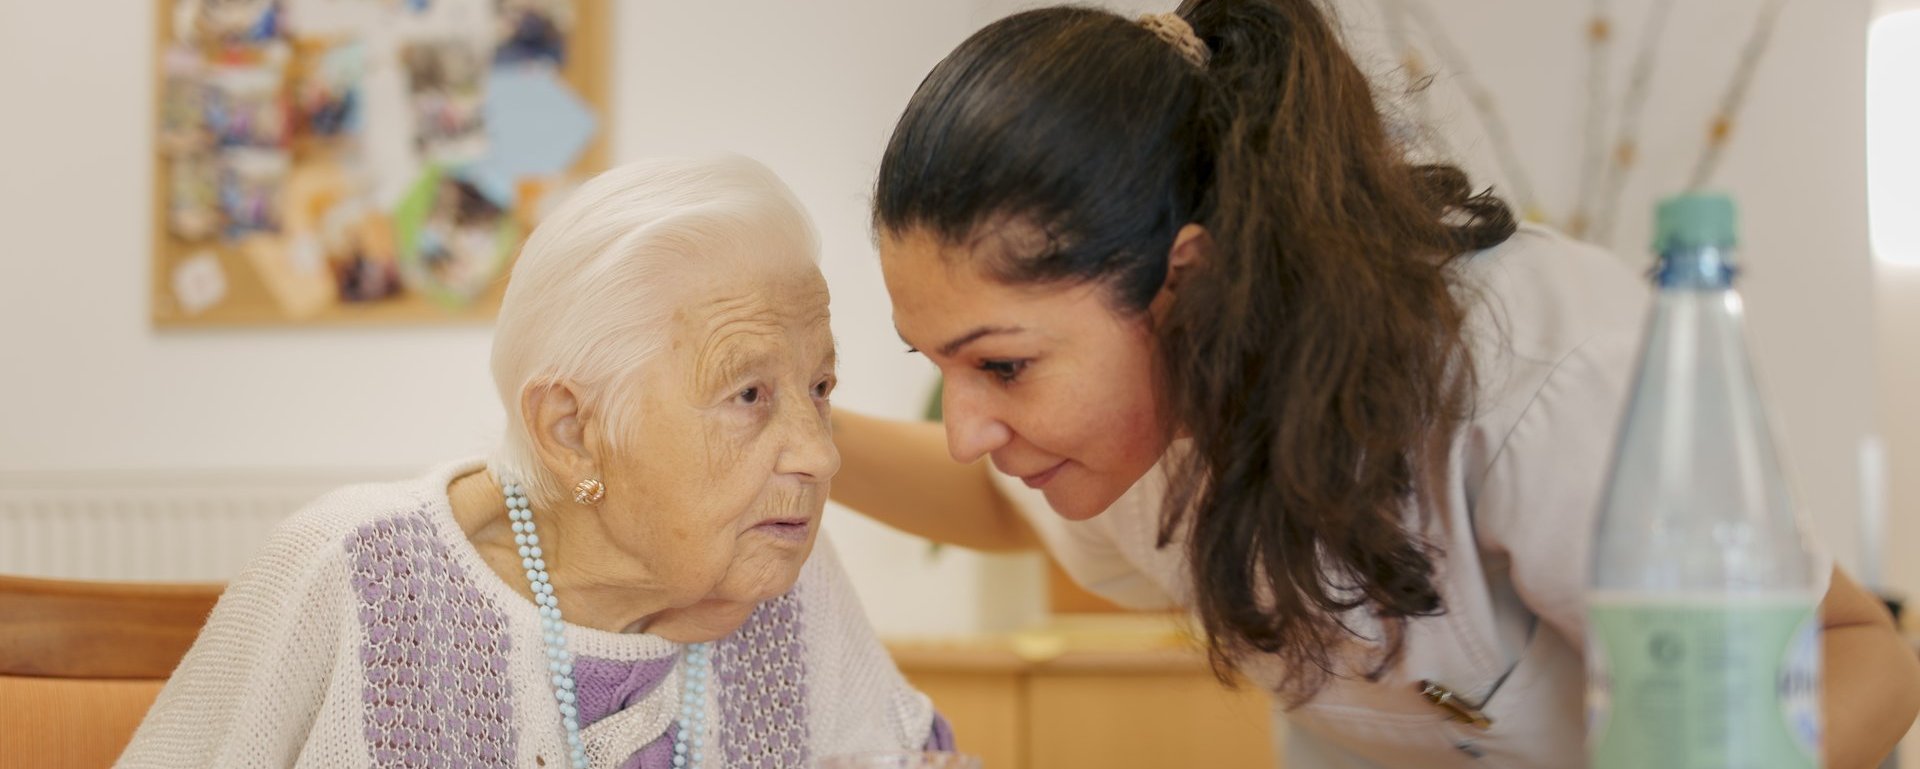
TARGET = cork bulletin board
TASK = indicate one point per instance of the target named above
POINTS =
(342, 162)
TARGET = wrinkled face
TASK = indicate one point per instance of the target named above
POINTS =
(725, 471)
(1049, 381)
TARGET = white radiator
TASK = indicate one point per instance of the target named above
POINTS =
(192, 526)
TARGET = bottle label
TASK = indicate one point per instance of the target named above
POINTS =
(1720, 682)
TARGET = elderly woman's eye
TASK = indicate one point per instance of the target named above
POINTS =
(749, 395)
(824, 388)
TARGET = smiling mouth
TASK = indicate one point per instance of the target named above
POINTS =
(1041, 478)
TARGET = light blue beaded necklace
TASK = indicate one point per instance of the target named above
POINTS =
(698, 658)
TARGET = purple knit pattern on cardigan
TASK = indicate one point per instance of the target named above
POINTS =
(941, 740)
(762, 674)
(606, 687)
(437, 692)
(657, 754)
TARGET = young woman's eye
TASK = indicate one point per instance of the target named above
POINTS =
(1004, 370)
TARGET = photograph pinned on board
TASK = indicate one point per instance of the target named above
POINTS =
(183, 105)
(532, 32)
(361, 252)
(250, 185)
(199, 283)
(193, 196)
(536, 126)
(333, 228)
(330, 19)
(447, 93)
(454, 242)
(326, 94)
(246, 106)
(299, 281)
(227, 22)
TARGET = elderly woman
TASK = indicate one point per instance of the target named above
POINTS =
(626, 581)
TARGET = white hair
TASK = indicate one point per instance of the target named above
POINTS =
(591, 296)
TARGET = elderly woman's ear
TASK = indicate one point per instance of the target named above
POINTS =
(564, 438)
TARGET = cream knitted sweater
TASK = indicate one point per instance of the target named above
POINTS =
(370, 633)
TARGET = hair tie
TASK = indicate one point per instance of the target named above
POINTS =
(1175, 31)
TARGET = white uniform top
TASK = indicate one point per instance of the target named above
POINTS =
(1554, 329)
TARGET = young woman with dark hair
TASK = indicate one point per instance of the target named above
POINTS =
(1183, 281)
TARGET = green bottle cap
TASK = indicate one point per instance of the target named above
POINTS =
(1694, 220)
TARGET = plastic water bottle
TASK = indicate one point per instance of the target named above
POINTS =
(1704, 647)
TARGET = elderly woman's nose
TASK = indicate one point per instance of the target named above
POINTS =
(810, 450)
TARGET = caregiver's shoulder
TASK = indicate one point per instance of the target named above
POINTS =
(1541, 295)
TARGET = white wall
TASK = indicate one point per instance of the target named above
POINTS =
(812, 90)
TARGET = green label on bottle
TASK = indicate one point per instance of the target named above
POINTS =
(1703, 683)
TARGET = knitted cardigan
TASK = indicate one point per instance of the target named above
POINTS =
(370, 633)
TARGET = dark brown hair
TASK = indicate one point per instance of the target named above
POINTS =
(1318, 349)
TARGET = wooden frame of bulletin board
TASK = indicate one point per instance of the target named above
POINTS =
(294, 249)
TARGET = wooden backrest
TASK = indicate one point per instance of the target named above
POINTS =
(70, 629)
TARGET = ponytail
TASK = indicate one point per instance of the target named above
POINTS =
(1314, 360)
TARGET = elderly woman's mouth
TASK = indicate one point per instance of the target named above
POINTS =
(790, 529)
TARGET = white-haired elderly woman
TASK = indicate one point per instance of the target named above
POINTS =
(626, 582)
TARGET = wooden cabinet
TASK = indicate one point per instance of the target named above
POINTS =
(1069, 700)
